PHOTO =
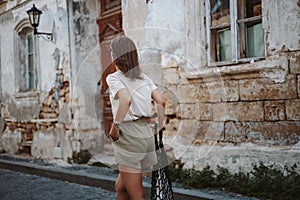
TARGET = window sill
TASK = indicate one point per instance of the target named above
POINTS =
(244, 69)
(240, 61)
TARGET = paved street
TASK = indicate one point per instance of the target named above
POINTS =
(19, 186)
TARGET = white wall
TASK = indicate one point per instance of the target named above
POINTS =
(75, 51)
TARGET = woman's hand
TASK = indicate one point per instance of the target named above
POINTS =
(114, 132)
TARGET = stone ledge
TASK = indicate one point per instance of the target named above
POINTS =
(259, 69)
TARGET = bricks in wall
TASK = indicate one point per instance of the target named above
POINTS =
(274, 110)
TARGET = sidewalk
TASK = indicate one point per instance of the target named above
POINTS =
(99, 177)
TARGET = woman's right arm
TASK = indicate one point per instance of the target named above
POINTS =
(160, 106)
(123, 107)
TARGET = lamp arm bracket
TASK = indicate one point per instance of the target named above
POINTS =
(49, 35)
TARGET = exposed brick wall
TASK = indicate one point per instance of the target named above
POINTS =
(47, 118)
(50, 106)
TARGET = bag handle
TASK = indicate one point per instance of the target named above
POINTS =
(155, 136)
(160, 134)
(158, 139)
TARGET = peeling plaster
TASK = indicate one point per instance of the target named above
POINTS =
(279, 73)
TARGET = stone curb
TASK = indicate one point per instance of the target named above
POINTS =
(94, 180)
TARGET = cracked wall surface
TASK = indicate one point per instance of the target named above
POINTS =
(246, 111)
(231, 115)
(45, 121)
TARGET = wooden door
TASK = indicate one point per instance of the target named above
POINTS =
(110, 24)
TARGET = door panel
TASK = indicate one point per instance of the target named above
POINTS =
(109, 24)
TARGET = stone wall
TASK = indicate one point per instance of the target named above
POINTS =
(233, 115)
(249, 112)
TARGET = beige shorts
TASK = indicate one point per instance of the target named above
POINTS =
(135, 147)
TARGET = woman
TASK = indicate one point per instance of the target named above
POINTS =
(131, 92)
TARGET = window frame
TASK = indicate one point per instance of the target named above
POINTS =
(30, 85)
(236, 35)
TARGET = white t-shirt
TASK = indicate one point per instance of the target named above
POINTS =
(140, 90)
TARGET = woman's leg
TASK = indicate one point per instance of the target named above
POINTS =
(121, 191)
(132, 181)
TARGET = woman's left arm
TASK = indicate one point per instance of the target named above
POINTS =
(124, 104)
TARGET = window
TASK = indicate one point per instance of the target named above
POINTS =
(234, 30)
(26, 69)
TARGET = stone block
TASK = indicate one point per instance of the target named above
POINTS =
(209, 132)
(187, 131)
(219, 91)
(293, 109)
(171, 107)
(266, 89)
(204, 94)
(281, 133)
(172, 104)
(236, 132)
(238, 111)
(295, 63)
(188, 111)
(171, 127)
(187, 93)
(49, 115)
(205, 111)
(231, 91)
(274, 110)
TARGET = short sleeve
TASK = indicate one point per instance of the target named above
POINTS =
(114, 84)
(151, 84)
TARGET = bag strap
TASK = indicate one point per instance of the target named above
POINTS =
(155, 136)
(158, 139)
(160, 134)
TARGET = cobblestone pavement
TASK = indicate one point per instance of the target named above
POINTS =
(19, 186)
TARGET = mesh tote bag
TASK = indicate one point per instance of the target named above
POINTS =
(161, 187)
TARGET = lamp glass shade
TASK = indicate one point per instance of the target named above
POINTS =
(34, 16)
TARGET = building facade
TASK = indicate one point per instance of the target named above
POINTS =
(229, 70)
(230, 73)
(49, 88)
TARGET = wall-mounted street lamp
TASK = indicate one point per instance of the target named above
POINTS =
(34, 18)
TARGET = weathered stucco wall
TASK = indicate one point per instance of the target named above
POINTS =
(281, 24)
(23, 107)
(68, 72)
(86, 74)
(234, 115)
